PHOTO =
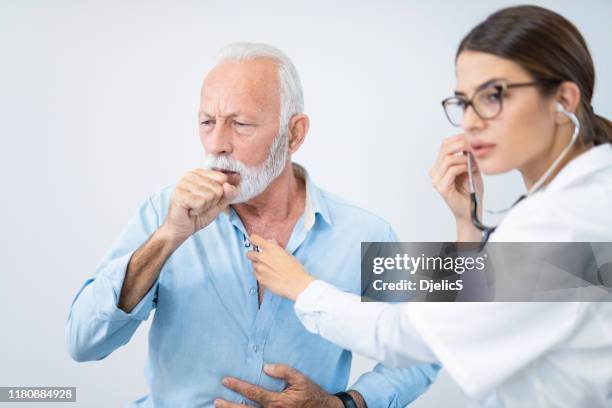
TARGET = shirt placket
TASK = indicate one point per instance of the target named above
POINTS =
(266, 312)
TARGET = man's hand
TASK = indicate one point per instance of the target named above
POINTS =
(300, 391)
(196, 201)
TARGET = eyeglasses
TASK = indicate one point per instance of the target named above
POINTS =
(487, 101)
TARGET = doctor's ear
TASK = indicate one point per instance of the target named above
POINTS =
(567, 98)
(298, 128)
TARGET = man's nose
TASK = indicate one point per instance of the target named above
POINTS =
(219, 140)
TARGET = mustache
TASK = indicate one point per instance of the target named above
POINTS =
(223, 162)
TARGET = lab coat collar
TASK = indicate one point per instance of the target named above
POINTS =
(589, 162)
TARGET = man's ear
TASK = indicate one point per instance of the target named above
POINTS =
(298, 128)
(569, 96)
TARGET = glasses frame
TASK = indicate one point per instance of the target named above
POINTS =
(501, 87)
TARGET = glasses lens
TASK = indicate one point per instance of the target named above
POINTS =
(487, 102)
(454, 111)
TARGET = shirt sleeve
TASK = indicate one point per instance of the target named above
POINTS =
(395, 387)
(96, 326)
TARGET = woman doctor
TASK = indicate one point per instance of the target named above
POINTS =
(525, 79)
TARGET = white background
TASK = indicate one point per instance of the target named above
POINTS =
(98, 105)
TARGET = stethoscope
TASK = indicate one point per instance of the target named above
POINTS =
(249, 244)
(486, 230)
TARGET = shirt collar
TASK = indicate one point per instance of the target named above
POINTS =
(314, 201)
(589, 162)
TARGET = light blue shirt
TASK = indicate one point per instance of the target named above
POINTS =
(208, 323)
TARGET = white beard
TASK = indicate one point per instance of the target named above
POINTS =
(254, 180)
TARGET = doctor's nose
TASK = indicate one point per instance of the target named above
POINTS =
(471, 121)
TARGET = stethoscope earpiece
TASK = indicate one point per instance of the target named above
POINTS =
(570, 115)
(560, 108)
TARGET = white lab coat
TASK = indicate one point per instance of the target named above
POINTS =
(500, 354)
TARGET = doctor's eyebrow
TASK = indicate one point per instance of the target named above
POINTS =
(481, 86)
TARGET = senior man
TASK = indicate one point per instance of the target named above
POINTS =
(218, 337)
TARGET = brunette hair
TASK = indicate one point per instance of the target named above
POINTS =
(551, 49)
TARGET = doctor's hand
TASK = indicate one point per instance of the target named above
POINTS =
(277, 270)
(300, 391)
(449, 176)
(197, 200)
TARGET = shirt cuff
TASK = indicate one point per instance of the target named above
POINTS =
(376, 390)
(107, 289)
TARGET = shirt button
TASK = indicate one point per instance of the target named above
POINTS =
(255, 348)
(252, 291)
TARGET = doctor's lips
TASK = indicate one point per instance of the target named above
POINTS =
(480, 149)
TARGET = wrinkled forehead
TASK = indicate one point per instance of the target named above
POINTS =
(252, 83)
(474, 68)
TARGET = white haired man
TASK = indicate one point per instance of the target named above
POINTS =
(218, 337)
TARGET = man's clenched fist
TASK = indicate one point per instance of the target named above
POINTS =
(196, 201)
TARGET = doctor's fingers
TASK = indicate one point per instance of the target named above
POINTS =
(254, 256)
(261, 270)
(447, 162)
(447, 182)
(261, 259)
(454, 144)
(451, 148)
(263, 243)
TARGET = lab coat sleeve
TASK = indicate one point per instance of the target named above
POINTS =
(96, 326)
(380, 331)
(479, 344)
(483, 344)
